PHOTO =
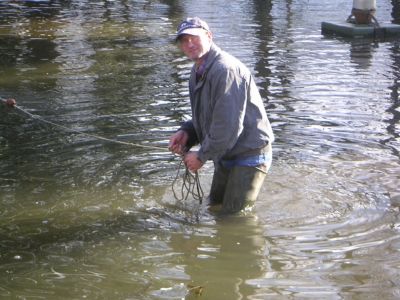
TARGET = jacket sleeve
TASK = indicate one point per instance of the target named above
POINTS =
(189, 129)
(227, 114)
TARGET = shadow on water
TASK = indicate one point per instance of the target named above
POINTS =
(220, 259)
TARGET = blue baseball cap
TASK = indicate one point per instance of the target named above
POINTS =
(192, 26)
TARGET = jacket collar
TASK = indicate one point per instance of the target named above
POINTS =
(211, 56)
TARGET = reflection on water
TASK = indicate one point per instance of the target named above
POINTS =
(83, 218)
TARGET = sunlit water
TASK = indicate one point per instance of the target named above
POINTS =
(83, 218)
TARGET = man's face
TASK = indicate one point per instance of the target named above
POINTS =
(195, 46)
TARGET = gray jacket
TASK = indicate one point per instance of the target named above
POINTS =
(228, 115)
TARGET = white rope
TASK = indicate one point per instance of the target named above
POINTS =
(191, 182)
(38, 118)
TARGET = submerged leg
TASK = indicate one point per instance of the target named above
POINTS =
(242, 188)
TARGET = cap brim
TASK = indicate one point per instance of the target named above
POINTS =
(190, 31)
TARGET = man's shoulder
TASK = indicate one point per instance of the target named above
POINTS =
(223, 58)
(227, 63)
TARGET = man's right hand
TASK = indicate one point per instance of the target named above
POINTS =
(178, 141)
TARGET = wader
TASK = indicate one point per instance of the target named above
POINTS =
(236, 187)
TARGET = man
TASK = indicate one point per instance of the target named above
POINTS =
(228, 121)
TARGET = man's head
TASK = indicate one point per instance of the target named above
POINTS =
(194, 38)
(192, 26)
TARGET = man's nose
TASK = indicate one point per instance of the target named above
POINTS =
(190, 42)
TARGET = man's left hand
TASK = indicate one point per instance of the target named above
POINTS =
(192, 161)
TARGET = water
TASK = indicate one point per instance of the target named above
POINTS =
(84, 218)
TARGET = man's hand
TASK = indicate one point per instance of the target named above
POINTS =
(177, 142)
(192, 161)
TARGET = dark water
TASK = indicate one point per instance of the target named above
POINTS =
(83, 218)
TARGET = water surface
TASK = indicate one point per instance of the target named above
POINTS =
(82, 217)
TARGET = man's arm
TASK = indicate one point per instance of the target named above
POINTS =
(229, 108)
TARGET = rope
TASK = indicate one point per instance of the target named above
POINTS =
(191, 181)
(40, 119)
(190, 185)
